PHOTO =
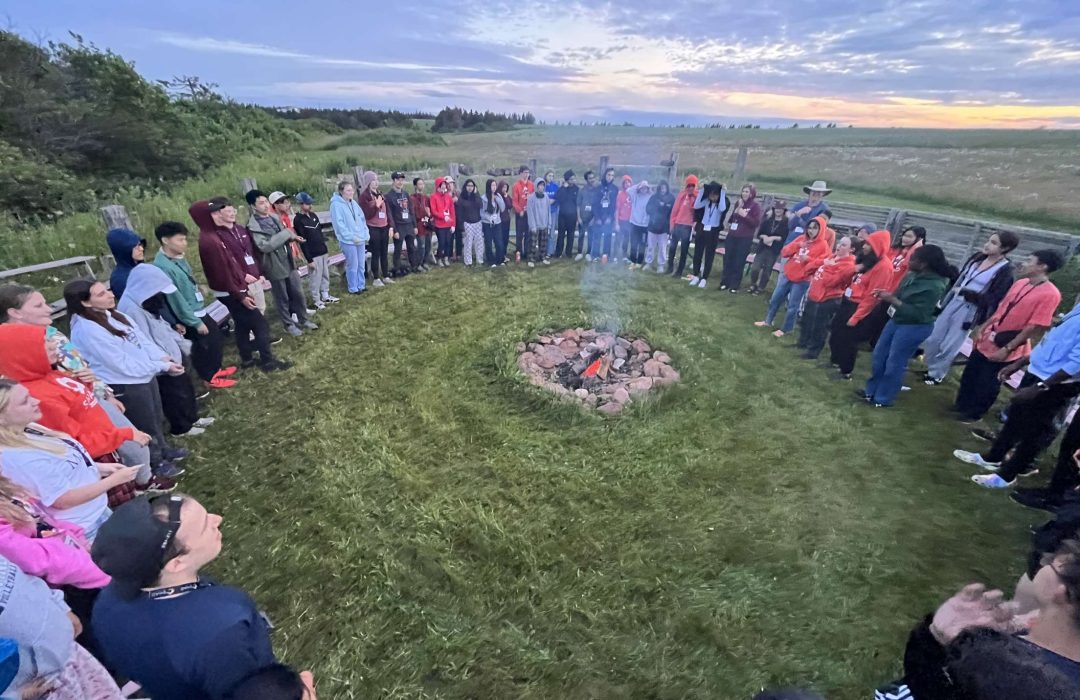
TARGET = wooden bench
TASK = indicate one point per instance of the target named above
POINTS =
(83, 260)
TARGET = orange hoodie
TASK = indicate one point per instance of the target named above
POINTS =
(441, 205)
(682, 214)
(899, 259)
(622, 202)
(519, 195)
(877, 277)
(830, 281)
(815, 251)
(67, 405)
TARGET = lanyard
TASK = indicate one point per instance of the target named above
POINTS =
(1012, 304)
(74, 446)
(176, 591)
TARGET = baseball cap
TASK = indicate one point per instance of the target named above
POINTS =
(397, 175)
(304, 198)
(132, 546)
(276, 197)
(218, 203)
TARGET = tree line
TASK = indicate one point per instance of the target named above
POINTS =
(458, 119)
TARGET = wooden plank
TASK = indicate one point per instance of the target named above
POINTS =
(42, 267)
(116, 216)
(247, 184)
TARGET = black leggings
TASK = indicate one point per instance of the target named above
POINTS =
(178, 402)
(379, 247)
(564, 244)
(735, 252)
(680, 234)
(705, 247)
(844, 340)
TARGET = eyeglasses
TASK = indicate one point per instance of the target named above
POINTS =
(175, 502)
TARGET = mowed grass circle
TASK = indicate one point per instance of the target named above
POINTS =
(421, 522)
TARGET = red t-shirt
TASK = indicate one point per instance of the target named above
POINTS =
(1024, 305)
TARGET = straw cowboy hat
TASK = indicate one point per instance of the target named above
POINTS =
(818, 186)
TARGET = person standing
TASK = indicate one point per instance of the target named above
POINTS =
(566, 203)
(586, 198)
(658, 211)
(984, 280)
(911, 319)
(910, 240)
(769, 238)
(1026, 312)
(351, 231)
(507, 215)
(551, 189)
(741, 230)
(682, 226)
(185, 307)
(373, 205)
(713, 203)
(522, 189)
(850, 327)
(276, 261)
(603, 223)
(622, 220)
(418, 201)
(538, 213)
(638, 225)
(823, 298)
(492, 208)
(808, 209)
(804, 256)
(313, 245)
(469, 206)
(404, 221)
(443, 219)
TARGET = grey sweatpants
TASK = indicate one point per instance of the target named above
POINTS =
(132, 454)
(289, 299)
(319, 278)
(948, 336)
(656, 249)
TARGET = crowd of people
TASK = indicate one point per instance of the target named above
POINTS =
(103, 557)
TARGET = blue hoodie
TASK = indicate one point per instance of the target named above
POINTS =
(348, 220)
(122, 242)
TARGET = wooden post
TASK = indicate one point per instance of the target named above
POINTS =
(358, 178)
(115, 216)
(532, 168)
(976, 234)
(673, 171)
(604, 160)
(740, 168)
(247, 184)
(455, 172)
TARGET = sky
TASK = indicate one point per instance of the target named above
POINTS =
(911, 63)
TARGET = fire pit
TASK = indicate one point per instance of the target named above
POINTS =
(599, 369)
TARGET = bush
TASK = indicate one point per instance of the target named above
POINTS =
(1067, 279)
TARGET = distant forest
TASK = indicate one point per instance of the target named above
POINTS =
(457, 119)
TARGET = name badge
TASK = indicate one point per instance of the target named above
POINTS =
(708, 228)
(734, 227)
(248, 260)
(847, 293)
(891, 312)
(382, 214)
(588, 207)
(198, 296)
(404, 214)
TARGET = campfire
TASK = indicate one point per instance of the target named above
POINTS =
(599, 369)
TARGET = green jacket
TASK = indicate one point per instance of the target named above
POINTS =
(272, 240)
(184, 302)
(920, 293)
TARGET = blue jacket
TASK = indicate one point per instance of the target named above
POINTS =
(122, 242)
(797, 221)
(350, 226)
(1059, 350)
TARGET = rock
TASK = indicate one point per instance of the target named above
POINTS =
(641, 385)
(605, 342)
(553, 353)
(622, 343)
(669, 372)
(618, 363)
(588, 335)
(582, 393)
(592, 400)
(520, 348)
(556, 388)
(525, 360)
(533, 347)
(544, 340)
(641, 346)
(620, 395)
(572, 334)
(569, 348)
(638, 358)
(635, 372)
(652, 368)
(545, 362)
(610, 408)
(578, 366)
(662, 381)
(620, 352)
(590, 349)
(662, 357)
(537, 380)
(558, 340)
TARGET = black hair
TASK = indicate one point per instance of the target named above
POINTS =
(663, 183)
(983, 664)
(154, 304)
(168, 229)
(465, 190)
(609, 170)
(866, 257)
(1051, 258)
(416, 180)
(919, 231)
(274, 682)
(253, 196)
(488, 194)
(712, 188)
(588, 173)
(934, 258)
(13, 296)
(1009, 240)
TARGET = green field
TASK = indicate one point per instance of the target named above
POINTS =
(422, 523)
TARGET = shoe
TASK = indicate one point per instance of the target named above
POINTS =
(158, 484)
(930, 381)
(1030, 471)
(1039, 499)
(881, 405)
(312, 312)
(331, 300)
(761, 324)
(752, 290)
(205, 422)
(614, 260)
(546, 261)
(992, 481)
(840, 377)
(532, 264)
(276, 341)
(175, 454)
(702, 283)
(168, 470)
(192, 432)
(984, 434)
(225, 372)
(863, 396)
(311, 325)
(694, 279)
(378, 283)
(733, 290)
(588, 258)
(294, 331)
(494, 266)
(723, 287)
(778, 333)
(319, 306)
(976, 459)
(275, 365)
(578, 257)
(387, 280)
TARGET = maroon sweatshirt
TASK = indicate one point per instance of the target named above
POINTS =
(224, 252)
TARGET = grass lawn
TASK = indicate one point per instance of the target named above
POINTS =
(420, 522)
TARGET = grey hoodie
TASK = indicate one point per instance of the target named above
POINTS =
(141, 287)
(538, 210)
(639, 204)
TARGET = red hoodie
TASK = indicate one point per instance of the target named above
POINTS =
(830, 281)
(519, 195)
(899, 257)
(442, 207)
(866, 283)
(222, 253)
(682, 214)
(816, 251)
(67, 405)
(623, 206)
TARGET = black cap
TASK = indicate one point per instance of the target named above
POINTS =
(397, 175)
(131, 546)
(253, 195)
(568, 174)
(218, 203)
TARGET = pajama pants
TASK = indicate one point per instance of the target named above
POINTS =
(948, 336)
(474, 243)
(538, 244)
(656, 249)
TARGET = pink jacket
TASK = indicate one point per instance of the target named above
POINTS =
(62, 558)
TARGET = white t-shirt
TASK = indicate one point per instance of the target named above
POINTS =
(48, 476)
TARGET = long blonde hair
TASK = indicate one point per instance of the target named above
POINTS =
(12, 437)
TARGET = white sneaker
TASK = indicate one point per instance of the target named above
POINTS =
(319, 306)
(546, 261)
(578, 257)
(494, 266)
(701, 284)
(204, 422)
(331, 300)
(192, 432)
(387, 280)
(532, 264)
(311, 312)
(588, 258)
(976, 459)
(378, 283)
(694, 280)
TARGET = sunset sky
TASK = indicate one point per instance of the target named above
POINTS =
(869, 63)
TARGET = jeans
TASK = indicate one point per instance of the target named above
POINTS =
(948, 336)
(564, 242)
(1023, 435)
(656, 250)
(378, 245)
(250, 322)
(354, 266)
(423, 249)
(637, 243)
(319, 278)
(493, 249)
(622, 239)
(680, 241)
(762, 268)
(206, 350)
(552, 238)
(583, 231)
(793, 292)
(979, 386)
(144, 410)
(735, 252)
(817, 316)
(289, 299)
(705, 252)
(505, 238)
(600, 237)
(891, 354)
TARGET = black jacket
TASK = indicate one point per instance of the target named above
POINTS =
(400, 208)
(307, 226)
(468, 209)
(659, 211)
(566, 198)
(987, 300)
(606, 193)
(772, 227)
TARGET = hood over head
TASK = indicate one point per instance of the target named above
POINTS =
(23, 357)
(753, 193)
(145, 281)
(122, 242)
(879, 242)
(438, 182)
(823, 225)
(200, 214)
(691, 180)
(369, 177)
